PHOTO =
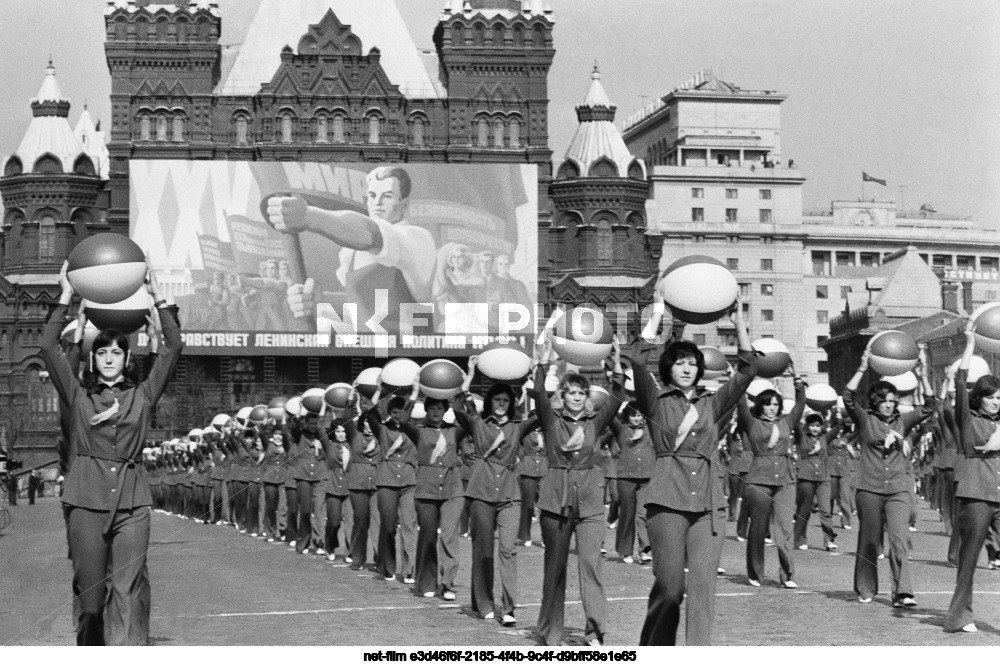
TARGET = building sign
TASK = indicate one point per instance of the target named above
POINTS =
(969, 275)
(341, 259)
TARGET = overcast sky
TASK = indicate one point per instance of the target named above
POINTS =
(905, 90)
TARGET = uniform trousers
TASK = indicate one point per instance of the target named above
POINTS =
(396, 509)
(631, 516)
(307, 491)
(253, 506)
(680, 540)
(220, 504)
(946, 501)
(734, 483)
(529, 495)
(485, 518)
(125, 618)
(611, 496)
(237, 504)
(557, 531)
(933, 488)
(876, 512)
(318, 534)
(361, 502)
(291, 513)
(433, 514)
(975, 518)
(805, 492)
(763, 503)
(272, 496)
(840, 493)
(334, 518)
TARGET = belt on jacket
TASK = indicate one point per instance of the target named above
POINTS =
(123, 463)
(564, 501)
(690, 452)
(510, 467)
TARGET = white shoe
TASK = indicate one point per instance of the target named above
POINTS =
(645, 557)
(528, 543)
(488, 616)
(862, 599)
(830, 547)
(905, 601)
(320, 551)
(291, 543)
(970, 628)
(803, 547)
(508, 620)
(594, 642)
(330, 557)
(847, 527)
(390, 578)
(769, 541)
(753, 582)
(913, 529)
(604, 551)
(613, 525)
(348, 559)
(448, 594)
(270, 540)
(789, 584)
(628, 559)
(881, 556)
(741, 539)
(720, 571)
(429, 594)
(409, 580)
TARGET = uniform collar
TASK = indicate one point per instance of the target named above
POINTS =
(994, 419)
(493, 419)
(121, 384)
(699, 392)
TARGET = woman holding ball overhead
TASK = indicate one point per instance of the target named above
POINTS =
(685, 507)
(883, 485)
(106, 497)
(977, 416)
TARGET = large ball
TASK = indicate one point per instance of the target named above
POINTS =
(905, 383)
(367, 381)
(337, 395)
(293, 406)
(582, 336)
(399, 372)
(258, 414)
(314, 401)
(106, 268)
(893, 353)
(504, 361)
(276, 408)
(551, 384)
(243, 416)
(441, 379)
(821, 397)
(598, 396)
(757, 386)
(194, 435)
(775, 359)
(220, 421)
(987, 327)
(698, 289)
(90, 332)
(716, 364)
(126, 316)
(977, 368)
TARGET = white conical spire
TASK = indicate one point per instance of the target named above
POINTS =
(50, 92)
(93, 142)
(596, 95)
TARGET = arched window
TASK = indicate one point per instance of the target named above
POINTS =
(605, 244)
(417, 131)
(374, 127)
(498, 133)
(145, 131)
(483, 126)
(338, 128)
(515, 133)
(538, 36)
(322, 123)
(162, 26)
(286, 127)
(479, 34)
(42, 398)
(518, 36)
(178, 127)
(161, 127)
(141, 29)
(46, 237)
(84, 166)
(121, 28)
(13, 166)
(47, 163)
(242, 124)
(182, 29)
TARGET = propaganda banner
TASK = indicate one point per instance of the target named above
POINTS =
(342, 259)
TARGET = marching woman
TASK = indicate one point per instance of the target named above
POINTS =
(977, 415)
(290, 425)
(439, 498)
(106, 494)
(255, 479)
(396, 479)
(839, 460)
(493, 494)
(275, 461)
(571, 496)
(814, 480)
(308, 467)
(883, 486)
(635, 459)
(685, 507)
(220, 467)
(770, 484)
(338, 456)
(202, 483)
(366, 455)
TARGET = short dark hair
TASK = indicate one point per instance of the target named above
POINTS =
(814, 419)
(435, 401)
(396, 403)
(501, 389)
(631, 409)
(764, 398)
(985, 386)
(675, 352)
(574, 379)
(879, 391)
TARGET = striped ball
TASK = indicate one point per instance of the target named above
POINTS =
(821, 397)
(757, 386)
(698, 289)
(441, 379)
(314, 401)
(276, 408)
(106, 268)
(893, 353)
(987, 327)
(775, 359)
(337, 394)
(399, 372)
(258, 414)
(126, 316)
(367, 381)
(582, 336)
(504, 361)
(716, 364)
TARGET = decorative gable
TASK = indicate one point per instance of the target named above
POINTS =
(330, 37)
